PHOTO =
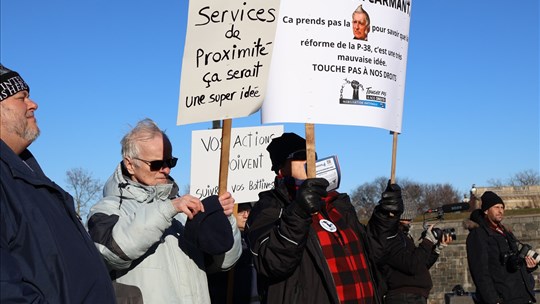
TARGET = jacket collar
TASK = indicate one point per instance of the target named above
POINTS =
(22, 166)
(120, 184)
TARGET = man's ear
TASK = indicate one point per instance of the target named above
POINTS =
(128, 163)
(285, 169)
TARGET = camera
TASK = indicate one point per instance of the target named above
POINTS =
(516, 259)
(438, 213)
(526, 250)
(440, 233)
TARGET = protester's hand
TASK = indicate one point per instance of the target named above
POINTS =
(227, 203)
(430, 236)
(391, 200)
(188, 204)
(309, 196)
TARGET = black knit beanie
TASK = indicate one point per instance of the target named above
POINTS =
(11, 83)
(283, 148)
(490, 199)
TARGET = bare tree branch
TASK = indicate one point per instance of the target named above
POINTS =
(523, 178)
(84, 189)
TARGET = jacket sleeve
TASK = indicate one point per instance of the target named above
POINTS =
(277, 238)
(407, 261)
(433, 257)
(477, 258)
(122, 236)
(227, 260)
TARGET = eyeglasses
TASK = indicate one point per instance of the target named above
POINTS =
(156, 165)
(299, 155)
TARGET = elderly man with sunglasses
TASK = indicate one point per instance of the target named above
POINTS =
(139, 225)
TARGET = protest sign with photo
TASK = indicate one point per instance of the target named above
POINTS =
(341, 64)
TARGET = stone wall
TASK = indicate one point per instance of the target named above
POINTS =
(517, 197)
(451, 269)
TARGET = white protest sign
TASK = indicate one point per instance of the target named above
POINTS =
(226, 58)
(250, 167)
(328, 168)
(322, 73)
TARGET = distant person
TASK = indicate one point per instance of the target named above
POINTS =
(46, 255)
(360, 23)
(244, 274)
(308, 244)
(151, 237)
(406, 265)
(499, 275)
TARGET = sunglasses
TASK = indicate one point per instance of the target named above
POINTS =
(299, 155)
(244, 212)
(156, 165)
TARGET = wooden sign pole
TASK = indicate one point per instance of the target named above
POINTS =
(310, 149)
(394, 153)
(225, 152)
(223, 176)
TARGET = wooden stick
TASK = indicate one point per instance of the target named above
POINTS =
(223, 176)
(310, 150)
(225, 152)
(394, 153)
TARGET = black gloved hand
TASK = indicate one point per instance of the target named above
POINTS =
(309, 196)
(391, 200)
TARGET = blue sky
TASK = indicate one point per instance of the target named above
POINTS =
(471, 106)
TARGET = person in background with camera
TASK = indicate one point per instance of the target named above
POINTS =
(499, 273)
(307, 242)
(406, 266)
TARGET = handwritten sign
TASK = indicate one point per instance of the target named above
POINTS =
(341, 64)
(249, 165)
(226, 58)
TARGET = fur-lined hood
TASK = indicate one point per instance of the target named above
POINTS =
(475, 220)
(470, 224)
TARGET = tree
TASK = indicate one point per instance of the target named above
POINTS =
(84, 189)
(440, 194)
(423, 197)
(365, 197)
(524, 178)
(420, 197)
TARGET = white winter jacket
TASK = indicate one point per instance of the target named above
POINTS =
(141, 237)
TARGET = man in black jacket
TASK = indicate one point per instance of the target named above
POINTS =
(308, 244)
(46, 255)
(406, 266)
(499, 274)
